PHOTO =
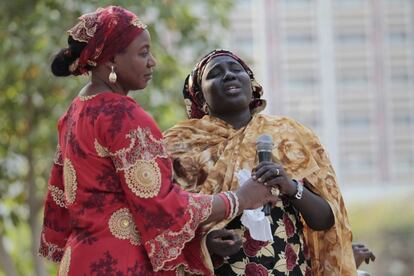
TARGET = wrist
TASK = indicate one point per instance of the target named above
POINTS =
(242, 205)
(299, 189)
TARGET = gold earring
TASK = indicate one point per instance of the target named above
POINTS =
(205, 108)
(112, 75)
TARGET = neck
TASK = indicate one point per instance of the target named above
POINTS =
(237, 119)
(99, 85)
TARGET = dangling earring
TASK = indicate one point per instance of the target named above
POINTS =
(205, 108)
(112, 75)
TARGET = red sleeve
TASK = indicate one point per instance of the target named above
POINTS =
(56, 228)
(167, 217)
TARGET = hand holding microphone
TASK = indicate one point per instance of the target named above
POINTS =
(269, 173)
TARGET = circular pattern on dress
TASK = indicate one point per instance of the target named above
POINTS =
(65, 262)
(69, 180)
(144, 178)
(122, 226)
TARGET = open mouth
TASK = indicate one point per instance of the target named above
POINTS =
(232, 89)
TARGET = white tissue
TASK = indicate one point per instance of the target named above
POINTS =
(255, 220)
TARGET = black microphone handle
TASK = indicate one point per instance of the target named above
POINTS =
(265, 156)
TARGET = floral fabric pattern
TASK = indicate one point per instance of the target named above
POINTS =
(111, 207)
(284, 256)
(208, 152)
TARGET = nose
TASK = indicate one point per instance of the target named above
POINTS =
(229, 75)
(151, 61)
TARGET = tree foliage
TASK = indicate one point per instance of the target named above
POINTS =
(32, 100)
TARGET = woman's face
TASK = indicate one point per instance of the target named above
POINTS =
(135, 64)
(226, 85)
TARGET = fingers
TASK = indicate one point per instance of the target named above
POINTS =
(362, 253)
(275, 182)
(273, 200)
(370, 258)
(266, 166)
(223, 234)
(357, 245)
(216, 233)
(268, 175)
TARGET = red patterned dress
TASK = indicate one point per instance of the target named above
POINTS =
(111, 207)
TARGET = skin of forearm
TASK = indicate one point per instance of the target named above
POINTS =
(315, 210)
(217, 211)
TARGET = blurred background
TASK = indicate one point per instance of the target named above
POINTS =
(345, 68)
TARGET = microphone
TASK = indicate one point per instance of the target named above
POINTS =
(264, 146)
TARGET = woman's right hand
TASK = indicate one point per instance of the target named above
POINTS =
(253, 194)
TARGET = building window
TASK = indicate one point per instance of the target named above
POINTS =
(351, 38)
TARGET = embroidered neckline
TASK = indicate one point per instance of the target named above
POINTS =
(86, 98)
(89, 97)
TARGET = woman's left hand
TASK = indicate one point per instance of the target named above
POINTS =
(273, 174)
(362, 253)
(223, 242)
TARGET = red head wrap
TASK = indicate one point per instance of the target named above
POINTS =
(107, 31)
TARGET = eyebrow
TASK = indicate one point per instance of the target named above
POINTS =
(144, 46)
(230, 62)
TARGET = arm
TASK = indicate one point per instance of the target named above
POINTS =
(56, 228)
(314, 209)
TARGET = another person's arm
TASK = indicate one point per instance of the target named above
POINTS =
(362, 253)
(167, 218)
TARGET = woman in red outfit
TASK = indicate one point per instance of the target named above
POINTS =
(111, 207)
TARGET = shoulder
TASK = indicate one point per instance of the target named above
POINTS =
(184, 124)
(284, 124)
(278, 120)
(116, 106)
(118, 114)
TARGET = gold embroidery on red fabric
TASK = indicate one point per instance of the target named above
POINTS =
(50, 250)
(65, 263)
(91, 63)
(138, 23)
(143, 146)
(144, 178)
(86, 98)
(74, 65)
(86, 27)
(122, 226)
(168, 245)
(70, 182)
(101, 150)
(58, 195)
(58, 159)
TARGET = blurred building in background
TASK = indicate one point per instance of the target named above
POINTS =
(345, 68)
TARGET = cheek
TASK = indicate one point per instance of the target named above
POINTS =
(213, 93)
(247, 84)
(137, 66)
